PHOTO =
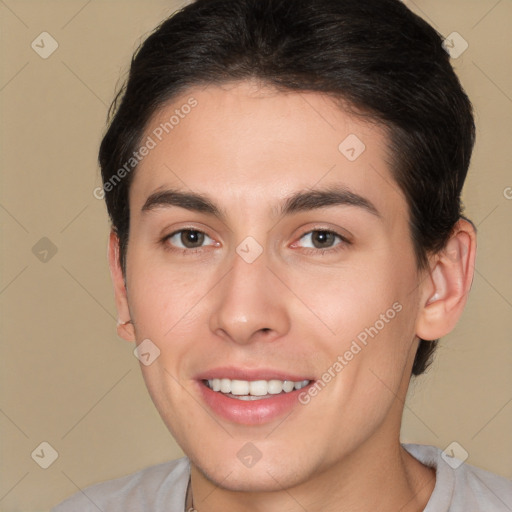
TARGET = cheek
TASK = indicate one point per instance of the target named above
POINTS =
(163, 298)
(364, 313)
(347, 300)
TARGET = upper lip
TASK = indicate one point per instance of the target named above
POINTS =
(237, 373)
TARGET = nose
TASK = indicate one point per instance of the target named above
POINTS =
(250, 303)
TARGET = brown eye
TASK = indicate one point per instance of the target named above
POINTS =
(320, 239)
(191, 239)
(187, 239)
(323, 239)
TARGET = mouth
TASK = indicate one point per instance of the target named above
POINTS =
(253, 389)
(251, 397)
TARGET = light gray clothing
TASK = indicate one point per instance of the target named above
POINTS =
(162, 488)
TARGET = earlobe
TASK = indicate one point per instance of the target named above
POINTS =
(125, 330)
(125, 327)
(445, 291)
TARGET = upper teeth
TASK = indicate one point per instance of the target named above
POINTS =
(255, 387)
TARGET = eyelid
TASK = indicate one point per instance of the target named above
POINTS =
(343, 240)
(168, 232)
(165, 240)
(344, 234)
(172, 235)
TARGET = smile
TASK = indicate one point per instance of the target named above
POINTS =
(255, 389)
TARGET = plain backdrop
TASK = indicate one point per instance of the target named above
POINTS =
(67, 379)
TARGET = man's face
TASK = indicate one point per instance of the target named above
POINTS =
(266, 289)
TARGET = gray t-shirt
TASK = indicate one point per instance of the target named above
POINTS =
(162, 488)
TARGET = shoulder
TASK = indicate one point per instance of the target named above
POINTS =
(461, 487)
(159, 487)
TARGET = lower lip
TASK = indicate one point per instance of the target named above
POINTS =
(250, 412)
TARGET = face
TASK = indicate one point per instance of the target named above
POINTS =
(269, 250)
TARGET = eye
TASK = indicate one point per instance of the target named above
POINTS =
(322, 241)
(187, 239)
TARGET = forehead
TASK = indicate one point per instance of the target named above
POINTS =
(252, 145)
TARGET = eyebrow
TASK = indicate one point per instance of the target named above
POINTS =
(304, 200)
(321, 198)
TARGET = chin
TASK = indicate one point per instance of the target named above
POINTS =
(264, 476)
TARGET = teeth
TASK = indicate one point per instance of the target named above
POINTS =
(225, 385)
(239, 387)
(258, 387)
(255, 387)
(289, 385)
(275, 387)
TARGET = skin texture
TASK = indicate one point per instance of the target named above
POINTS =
(294, 308)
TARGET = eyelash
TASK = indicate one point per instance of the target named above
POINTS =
(339, 247)
(179, 250)
(307, 250)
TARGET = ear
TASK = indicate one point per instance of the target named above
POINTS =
(125, 327)
(445, 291)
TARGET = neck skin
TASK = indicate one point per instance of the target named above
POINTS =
(377, 475)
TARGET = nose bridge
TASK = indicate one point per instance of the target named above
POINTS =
(248, 300)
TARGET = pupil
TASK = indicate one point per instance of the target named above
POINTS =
(191, 238)
(324, 238)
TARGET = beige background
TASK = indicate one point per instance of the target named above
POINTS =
(65, 376)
